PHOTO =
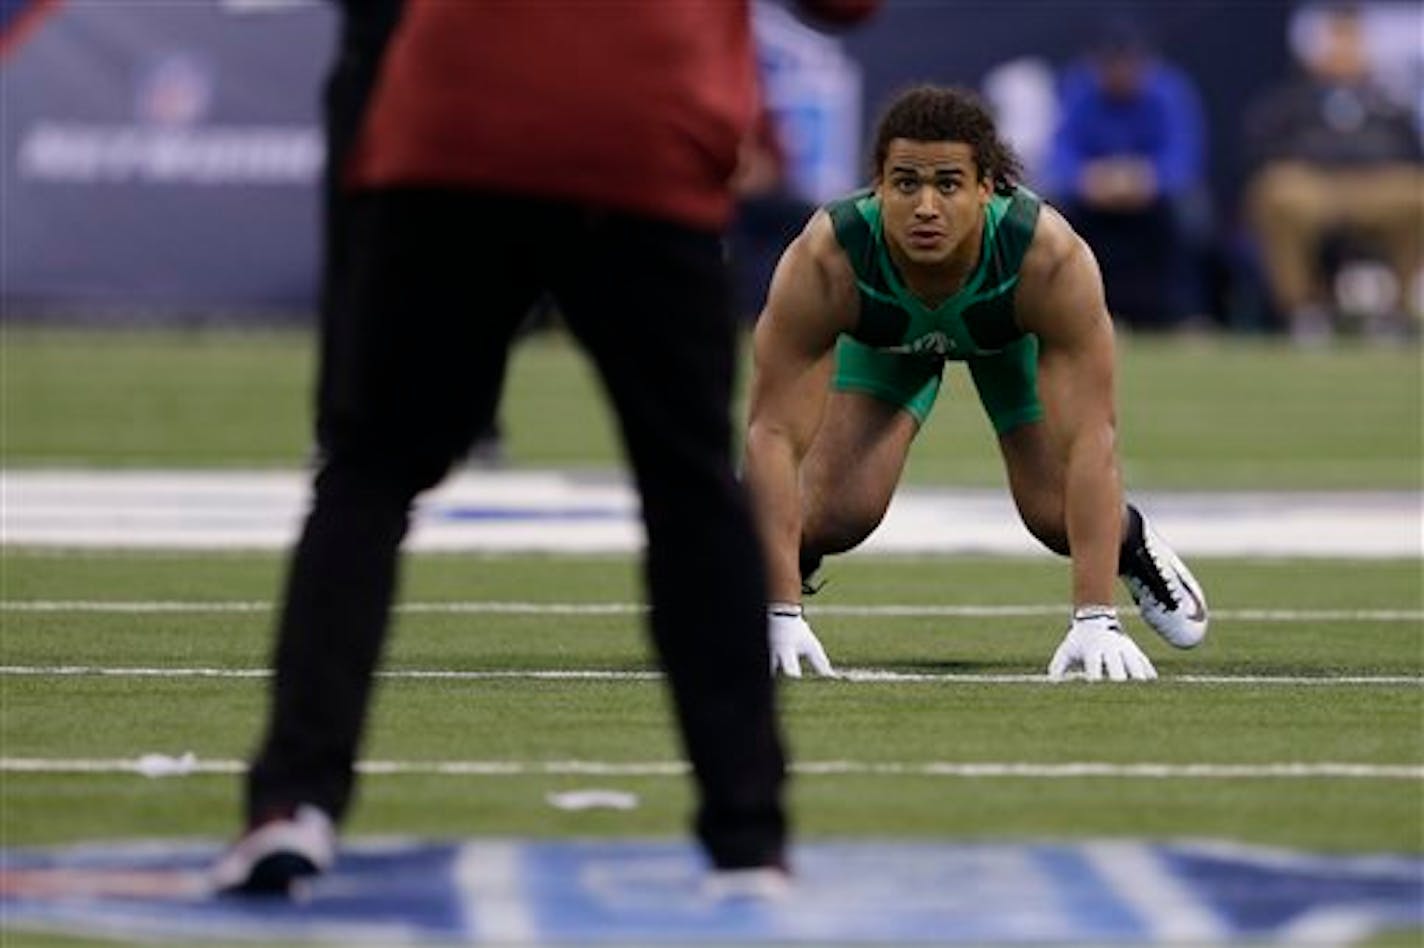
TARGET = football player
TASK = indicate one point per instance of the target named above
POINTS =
(948, 258)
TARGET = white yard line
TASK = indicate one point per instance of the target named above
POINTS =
(855, 675)
(1282, 770)
(197, 607)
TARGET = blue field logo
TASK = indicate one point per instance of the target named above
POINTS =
(493, 891)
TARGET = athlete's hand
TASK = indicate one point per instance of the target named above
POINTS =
(1095, 641)
(792, 640)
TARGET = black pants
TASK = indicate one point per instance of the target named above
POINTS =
(365, 30)
(1147, 261)
(436, 284)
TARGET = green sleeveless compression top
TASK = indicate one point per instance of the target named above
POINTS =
(898, 347)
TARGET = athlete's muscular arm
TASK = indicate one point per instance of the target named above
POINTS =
(812, 299)
(1060, 298)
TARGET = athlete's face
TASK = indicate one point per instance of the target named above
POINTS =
(931, 198)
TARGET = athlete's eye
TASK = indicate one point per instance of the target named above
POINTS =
(948, 187)
(907, 185)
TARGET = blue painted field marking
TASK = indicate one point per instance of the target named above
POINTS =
(605, 892)
(1264, 890)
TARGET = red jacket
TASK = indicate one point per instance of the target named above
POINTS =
(637, 105)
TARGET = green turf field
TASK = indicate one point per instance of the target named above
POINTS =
(1197, 415)
(1226, 722)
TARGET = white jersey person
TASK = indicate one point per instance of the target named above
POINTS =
(947, 258)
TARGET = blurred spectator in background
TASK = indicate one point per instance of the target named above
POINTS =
(1337, 170)
(1023, 93)
(1126, 168)
(769, 214)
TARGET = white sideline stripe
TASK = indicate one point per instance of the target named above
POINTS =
(263, 510)
(1011, 769)
(858, 675)
(627, 608)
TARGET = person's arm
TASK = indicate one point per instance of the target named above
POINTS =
(806, 308)
(1060, 299)
(812, 299)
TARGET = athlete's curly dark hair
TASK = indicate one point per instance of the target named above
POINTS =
(939, 114)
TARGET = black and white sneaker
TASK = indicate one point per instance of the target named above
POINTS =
(276, 852)
(811, 581)
(1168, 596)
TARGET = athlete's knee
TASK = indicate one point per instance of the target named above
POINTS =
(1045, 523)
(837, 528)
(1054, 537)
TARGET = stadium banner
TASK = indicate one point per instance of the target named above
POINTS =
(163, 156)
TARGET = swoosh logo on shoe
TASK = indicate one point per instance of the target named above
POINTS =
(1198, 610)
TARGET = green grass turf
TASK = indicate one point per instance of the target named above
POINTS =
(521, 720)
(1207, 414)
(1211, 414)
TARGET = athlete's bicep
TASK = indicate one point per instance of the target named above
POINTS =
(794, 341)
(1064, 306)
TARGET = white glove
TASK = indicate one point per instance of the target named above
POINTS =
(792, 640)
(1096, 641)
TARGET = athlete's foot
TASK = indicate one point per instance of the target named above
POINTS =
(1168, 596)
(811, 582)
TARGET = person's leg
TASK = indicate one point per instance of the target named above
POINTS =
(763, 227)
(851, 471)
(650, 303)
(1036, 477)
(365, 29)
(878, 402)
(1387, 206)
(410, 361)
(1167, 595)
(1132, 248)
(1007, 383)
(1290, 211)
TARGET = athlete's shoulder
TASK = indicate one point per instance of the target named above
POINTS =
(1060, 286)
(857, 200)
(855, 218)
(1021, 209)
(1054, 245)
(814, 270)
(817, 243)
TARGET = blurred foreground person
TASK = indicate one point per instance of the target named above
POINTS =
(482, 175)
(364, 31)
(1335, 160)
(947, 258)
